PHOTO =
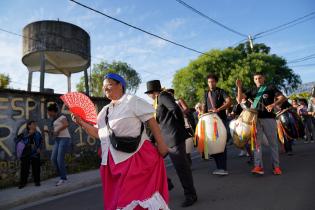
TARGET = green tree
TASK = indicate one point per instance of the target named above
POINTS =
(131, 76)
(4, 81)
(230, 64)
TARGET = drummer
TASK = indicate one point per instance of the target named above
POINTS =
(217, 101)
(265, 98)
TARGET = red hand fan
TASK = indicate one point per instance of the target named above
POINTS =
(81, 106)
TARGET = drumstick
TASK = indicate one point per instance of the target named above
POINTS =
(260, 103)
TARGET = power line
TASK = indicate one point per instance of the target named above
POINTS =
(304, 65)
(305, 58)
(210, 19)
(139, 29)
(10, 32)
(286, 25)
(281, 29)
(239, 42)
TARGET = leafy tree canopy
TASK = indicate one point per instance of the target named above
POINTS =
(131, 76)
(4, 81)
(230, 64)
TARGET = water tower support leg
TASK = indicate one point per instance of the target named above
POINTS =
(30, 78)
(87, 91)
(42, 72)
(69, 83)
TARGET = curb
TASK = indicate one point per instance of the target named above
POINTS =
(10, 199)
(48, 190)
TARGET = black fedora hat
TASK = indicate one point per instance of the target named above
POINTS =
(153, 85)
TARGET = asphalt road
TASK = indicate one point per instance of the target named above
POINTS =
(294, 190)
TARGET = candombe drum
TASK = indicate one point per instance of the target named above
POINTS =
(210, 135)
(248, 116)
(289, 124)
(243, 128)
(241, 133)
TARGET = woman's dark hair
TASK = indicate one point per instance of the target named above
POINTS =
(30, 122)
(213, 76)
(52, 107)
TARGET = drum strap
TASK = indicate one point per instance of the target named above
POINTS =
(211, 100)
(258, 96)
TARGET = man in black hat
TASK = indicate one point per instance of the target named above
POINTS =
(171, 121)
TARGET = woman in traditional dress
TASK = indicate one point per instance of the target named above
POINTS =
(133, 173)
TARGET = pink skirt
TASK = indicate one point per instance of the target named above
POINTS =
(140, 182)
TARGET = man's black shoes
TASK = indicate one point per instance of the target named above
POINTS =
(189, 201)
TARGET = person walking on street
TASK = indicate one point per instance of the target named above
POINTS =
(132, 170)
(265, 98)
(171, 121)
(217, 101)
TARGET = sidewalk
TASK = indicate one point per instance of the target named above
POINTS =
(13, 197)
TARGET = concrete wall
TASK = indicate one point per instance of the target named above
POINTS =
(16, 107)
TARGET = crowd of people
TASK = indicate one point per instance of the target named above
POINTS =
(136, 137)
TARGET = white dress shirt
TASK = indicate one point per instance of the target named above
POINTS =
(124, 117)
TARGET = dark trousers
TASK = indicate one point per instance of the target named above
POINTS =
(287, 145)
(25, 169)
(179, 159)
(220, 158)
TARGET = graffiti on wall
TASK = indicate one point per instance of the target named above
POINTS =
(17, 107)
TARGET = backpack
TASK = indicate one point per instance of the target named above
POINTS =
(19, 149)
(22, 150)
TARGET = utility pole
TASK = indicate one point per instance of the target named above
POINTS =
(250, 40)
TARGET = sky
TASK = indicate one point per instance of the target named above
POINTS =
(150, 57)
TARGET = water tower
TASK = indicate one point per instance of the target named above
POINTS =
(55, 47)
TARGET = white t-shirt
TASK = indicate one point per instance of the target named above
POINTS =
(124, 119)
(58, 124)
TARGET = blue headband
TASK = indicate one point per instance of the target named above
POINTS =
(117, 78)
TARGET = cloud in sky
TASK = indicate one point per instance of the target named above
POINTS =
(10, 59)
(113, 41)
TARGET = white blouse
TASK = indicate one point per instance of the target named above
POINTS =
(124, 119)
(58, 124)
